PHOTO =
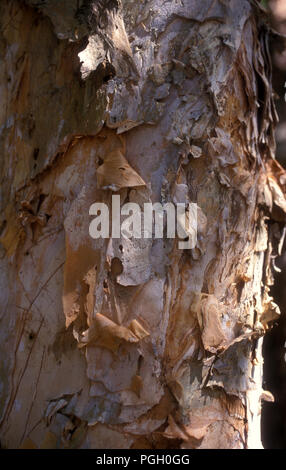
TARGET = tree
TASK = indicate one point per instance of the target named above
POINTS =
(120, 343)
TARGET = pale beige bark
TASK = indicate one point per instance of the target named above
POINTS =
(120, 344)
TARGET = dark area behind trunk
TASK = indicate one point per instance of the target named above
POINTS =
(274, 414)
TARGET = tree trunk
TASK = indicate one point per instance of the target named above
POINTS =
(135, 343)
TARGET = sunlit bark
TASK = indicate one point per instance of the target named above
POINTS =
(131, 343)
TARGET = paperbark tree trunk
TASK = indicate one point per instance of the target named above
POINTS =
(135, 343)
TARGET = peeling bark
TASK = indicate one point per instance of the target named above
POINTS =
(135, 343)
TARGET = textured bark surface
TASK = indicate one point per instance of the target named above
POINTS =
(135, 343)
